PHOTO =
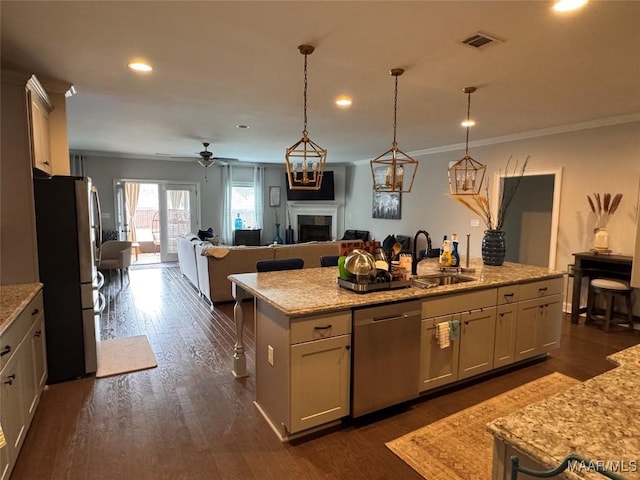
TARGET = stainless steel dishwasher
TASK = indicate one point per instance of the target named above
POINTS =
(386, 356)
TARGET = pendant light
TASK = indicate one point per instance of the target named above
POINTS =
(307, 174)
(393, 167)
(467, 174)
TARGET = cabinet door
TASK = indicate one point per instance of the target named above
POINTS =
(40, 134)
(12, 408)
(477, 337)
(320, 375)
(39, 351)
(438, 366)
(526, 329)
(549, 324)
(505, 344)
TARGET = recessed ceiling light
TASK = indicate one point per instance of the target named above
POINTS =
(468, 123)
(344, 101)
(242, 126)
(568, 5)
(140, 67)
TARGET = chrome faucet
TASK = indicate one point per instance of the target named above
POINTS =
(414, 264)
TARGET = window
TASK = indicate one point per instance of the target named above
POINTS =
(243, 202)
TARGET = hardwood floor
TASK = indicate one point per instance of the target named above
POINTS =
(189, 418)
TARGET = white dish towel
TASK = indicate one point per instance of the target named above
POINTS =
(443, 334)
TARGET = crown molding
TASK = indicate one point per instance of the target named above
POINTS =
(543, 132)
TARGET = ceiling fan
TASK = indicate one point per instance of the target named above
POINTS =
(207, 159)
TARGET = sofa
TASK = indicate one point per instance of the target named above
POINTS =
(207, 266)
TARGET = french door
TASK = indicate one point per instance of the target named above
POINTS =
(154, 214)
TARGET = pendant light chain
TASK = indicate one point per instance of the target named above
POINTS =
(395, 113)
(305, 132)
(466, 148)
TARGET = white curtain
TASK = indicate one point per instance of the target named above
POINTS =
(132, 193)
(227, 232)
(258, 189)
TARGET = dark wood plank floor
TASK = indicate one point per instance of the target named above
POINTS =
(189, 418)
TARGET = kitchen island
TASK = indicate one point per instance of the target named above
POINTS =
(598, 420)
(304, 334)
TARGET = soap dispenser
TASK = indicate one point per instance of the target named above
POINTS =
(455, 256)
(445, 253)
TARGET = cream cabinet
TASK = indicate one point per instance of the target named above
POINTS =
(303, 368)
(477, 333)
(22, 375)
(469, 354)
(438, 366)
(539, 318)
(506, 318)
(320, 374)
(39, 108)
(505, 337)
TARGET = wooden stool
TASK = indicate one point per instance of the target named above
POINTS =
(610, 290)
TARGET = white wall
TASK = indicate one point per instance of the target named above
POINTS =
(605, 159)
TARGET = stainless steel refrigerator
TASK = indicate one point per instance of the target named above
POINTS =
(68, 231)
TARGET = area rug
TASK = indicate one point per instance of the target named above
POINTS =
(458, 447)
(123, 355)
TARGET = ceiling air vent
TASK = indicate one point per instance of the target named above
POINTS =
(480, 40)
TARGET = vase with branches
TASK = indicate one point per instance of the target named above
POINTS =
(603, 206)
(493, 243)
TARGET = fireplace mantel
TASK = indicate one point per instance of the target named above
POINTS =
(314, 208)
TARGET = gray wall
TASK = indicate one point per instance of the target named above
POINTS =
(105, 170)
(605, 159)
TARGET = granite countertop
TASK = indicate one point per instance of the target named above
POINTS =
(598, 419)
(315, 290)
(13, 299)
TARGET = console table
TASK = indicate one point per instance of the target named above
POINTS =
(246, 237)
(588, 264)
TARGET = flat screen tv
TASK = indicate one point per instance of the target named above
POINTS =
(326, 191)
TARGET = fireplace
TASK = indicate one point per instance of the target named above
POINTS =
(313, 221)
(314, 233)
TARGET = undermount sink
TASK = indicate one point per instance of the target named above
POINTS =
(437, 279)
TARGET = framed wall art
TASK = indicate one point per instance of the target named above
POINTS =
(385, 205)
(274, 196)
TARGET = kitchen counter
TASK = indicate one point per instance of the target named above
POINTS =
(315, 290)
(297, 293)
(13, 299)
(598, 419)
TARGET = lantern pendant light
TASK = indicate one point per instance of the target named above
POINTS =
(391, 170)
(307, 174)
(467, 174)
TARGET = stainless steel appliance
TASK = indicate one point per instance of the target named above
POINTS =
(68, 231)
(386, 356)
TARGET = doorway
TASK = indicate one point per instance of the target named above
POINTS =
(153, 214)
(531, 222)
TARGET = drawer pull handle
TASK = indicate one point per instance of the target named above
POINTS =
(325, 327)
(35, 312)
(37, 334)
(5, 350)
(543, 289)
(10, 379)
(508, 294)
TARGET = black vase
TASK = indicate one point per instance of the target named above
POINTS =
(493, 247)
(288, 235)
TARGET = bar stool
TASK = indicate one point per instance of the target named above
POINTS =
(610, 289)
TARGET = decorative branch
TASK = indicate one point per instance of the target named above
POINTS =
(603, 208)
(479, 203)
